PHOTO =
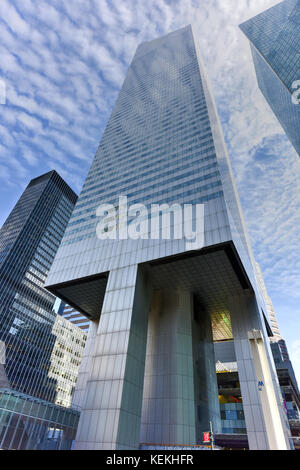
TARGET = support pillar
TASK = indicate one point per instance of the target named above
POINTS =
(270, 409)
(111, 414)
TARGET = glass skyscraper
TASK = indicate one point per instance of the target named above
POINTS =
(274, 37)
(29, 240)
(76, 318)
(156, 303)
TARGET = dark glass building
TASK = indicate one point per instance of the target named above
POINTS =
(275, 45)
(29, 240)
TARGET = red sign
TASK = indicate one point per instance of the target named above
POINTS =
(206, 437)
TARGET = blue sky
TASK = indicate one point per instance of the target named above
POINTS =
(63, 64)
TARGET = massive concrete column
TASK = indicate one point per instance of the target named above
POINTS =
(111, 414)
(245, 317)
(180, 387)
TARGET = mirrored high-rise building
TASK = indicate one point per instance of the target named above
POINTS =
(274, 37)
(158, 284)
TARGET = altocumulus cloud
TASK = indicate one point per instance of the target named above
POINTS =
(63, 64)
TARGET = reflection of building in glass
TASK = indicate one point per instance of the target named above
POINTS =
(234, 432)
(275, 43)
(155, 305)
(74, 316)
(65, 359)
(231, 403)
(30, 333)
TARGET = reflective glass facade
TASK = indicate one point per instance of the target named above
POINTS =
(275, 45)
(76, 318)
(30, 423)
(233, 418)
(28, 242)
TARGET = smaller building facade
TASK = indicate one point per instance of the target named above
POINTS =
(28, 422)
(274, 37)
(234, 432)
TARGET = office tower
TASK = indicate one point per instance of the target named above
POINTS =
(65, 359)
(40, 353)
(274, 37)
(156, 296)
(269, 305)
(74, 316)
(29, 240)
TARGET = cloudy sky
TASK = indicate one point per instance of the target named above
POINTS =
(63, 63)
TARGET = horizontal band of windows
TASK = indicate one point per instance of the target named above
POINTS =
(161, 175)
(186, 151)
(188, 193)
(157, 193)
(155, 165)
(107, 161)
(131, 149)
(115, 134)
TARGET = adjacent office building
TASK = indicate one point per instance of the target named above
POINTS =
(274, 37)
(157, 302)
(40, 352)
